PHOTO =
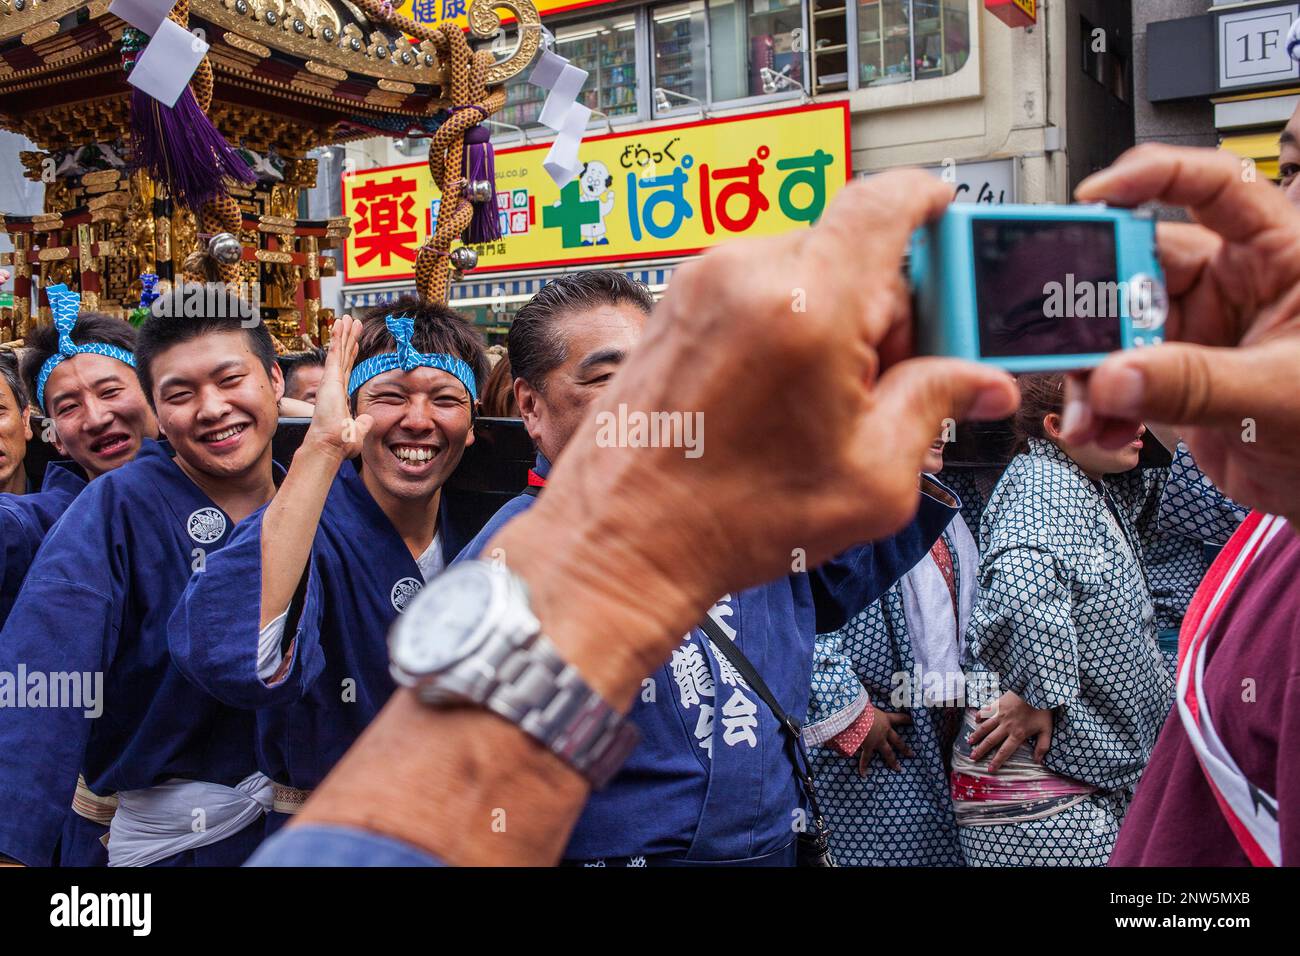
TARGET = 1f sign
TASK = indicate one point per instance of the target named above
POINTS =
(1252, 46)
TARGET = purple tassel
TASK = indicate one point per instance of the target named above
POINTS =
(480, 164)
(180, 148)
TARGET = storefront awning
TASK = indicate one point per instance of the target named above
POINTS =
(489, 290)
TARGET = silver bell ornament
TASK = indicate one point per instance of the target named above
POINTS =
(226, 248)
(479, 191)
(463, 259)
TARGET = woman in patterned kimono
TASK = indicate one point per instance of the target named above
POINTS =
(885, 685)
(1181, 520)
(1063, 622)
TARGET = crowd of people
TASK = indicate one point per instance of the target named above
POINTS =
(831, 645)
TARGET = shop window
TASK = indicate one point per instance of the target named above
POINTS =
(680, 57)
(741, 45)
(606, 49)
(749, 37)
(720, 51)
(830, 45)
(904, 40)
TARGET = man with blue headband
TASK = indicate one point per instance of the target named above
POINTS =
(93, 612)
(81, 372)
(290, 618)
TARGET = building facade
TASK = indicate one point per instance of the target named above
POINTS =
(1007, 113)
(1217, 73)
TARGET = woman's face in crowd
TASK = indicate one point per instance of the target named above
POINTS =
(1094, 459)
(933, 463)
(422, 428)
(14, 434)
(216, 403)
(99, 412)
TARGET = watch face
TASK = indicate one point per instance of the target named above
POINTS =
(439, 626)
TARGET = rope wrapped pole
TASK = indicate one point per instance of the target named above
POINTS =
(471, 104)
(466, 79)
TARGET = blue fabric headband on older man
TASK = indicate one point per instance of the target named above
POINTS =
(407, 358)
(64, 306)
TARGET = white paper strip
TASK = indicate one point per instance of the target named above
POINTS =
(142, 14)
(547, 69)
(166, 64)
(564, 81)
(562, 162)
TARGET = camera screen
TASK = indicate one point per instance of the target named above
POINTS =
(1046, 287)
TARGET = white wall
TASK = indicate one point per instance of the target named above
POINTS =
(999, 105)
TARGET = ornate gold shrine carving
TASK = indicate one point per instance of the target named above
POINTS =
(290, 76)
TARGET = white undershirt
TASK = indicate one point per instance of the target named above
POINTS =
(431, 562)
(936, 629)
(269, 656)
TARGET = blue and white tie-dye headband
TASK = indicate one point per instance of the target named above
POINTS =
(407, 358)
(64, 306)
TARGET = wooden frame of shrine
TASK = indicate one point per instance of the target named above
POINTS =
(288, 76)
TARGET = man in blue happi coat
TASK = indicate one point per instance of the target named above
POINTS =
(290, 619)
(97, 691)
(713, 778)
(80, 372)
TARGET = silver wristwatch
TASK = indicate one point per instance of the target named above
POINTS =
(469, 637)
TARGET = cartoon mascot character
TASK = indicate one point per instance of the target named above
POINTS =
(594, 182)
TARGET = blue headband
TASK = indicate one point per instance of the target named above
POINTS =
(407, 358)
(64, 305)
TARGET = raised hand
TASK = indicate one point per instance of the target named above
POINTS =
(333, 428)
(778, 344)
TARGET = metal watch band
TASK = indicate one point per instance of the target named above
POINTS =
(546, 697)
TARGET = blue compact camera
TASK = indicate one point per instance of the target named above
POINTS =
(1037, 288)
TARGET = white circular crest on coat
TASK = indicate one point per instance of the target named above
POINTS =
(403, 591)
(206, 525)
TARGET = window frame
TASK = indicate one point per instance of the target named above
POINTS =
(681, 110)
(961, 83)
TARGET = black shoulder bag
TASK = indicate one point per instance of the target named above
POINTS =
(814, 847)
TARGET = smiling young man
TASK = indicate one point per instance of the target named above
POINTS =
(95, 606)
(290, 618)
(712, 780)
(80, 372)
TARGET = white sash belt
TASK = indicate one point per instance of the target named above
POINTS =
(157, 822)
